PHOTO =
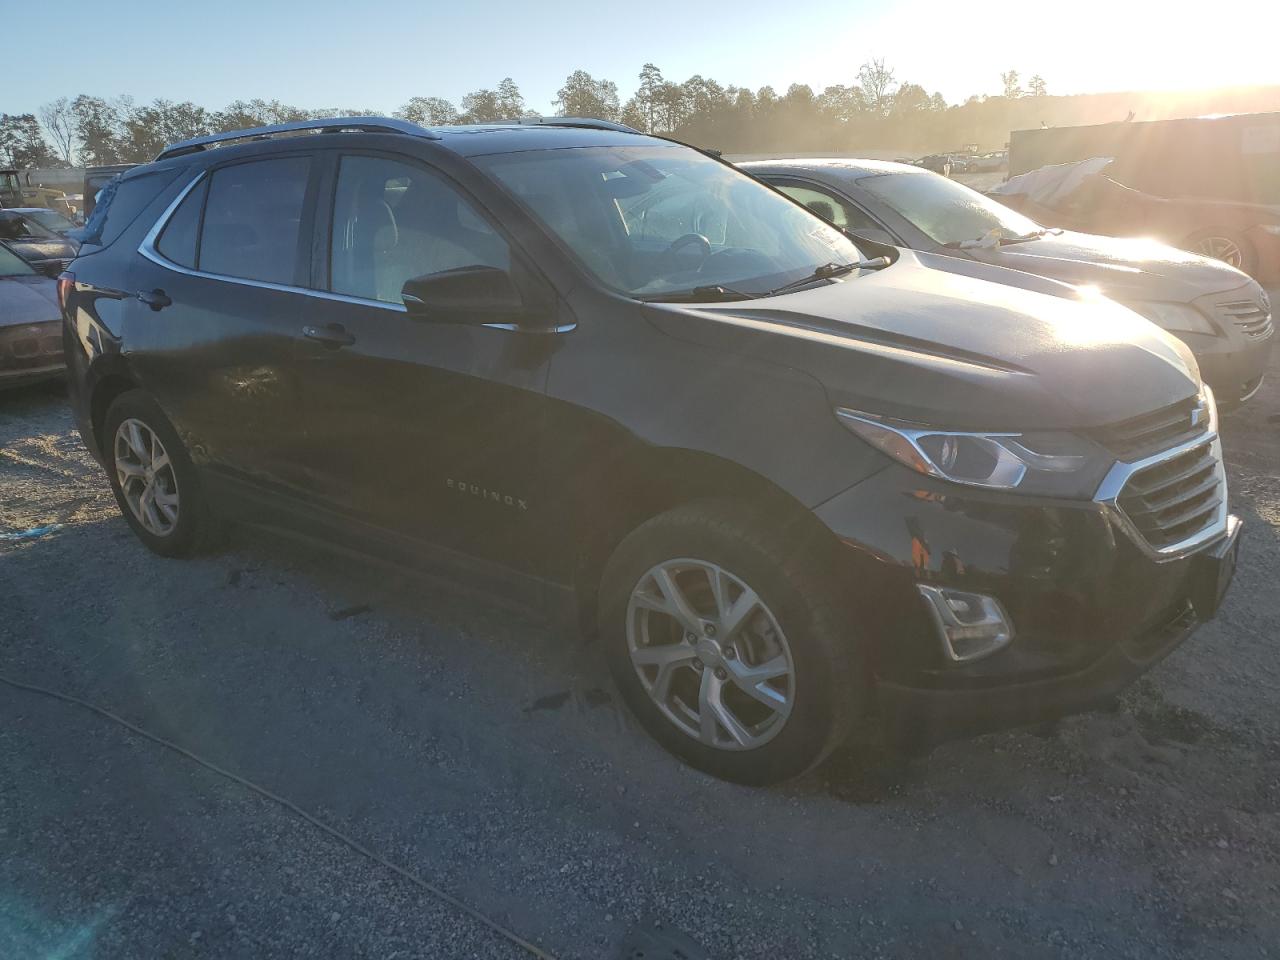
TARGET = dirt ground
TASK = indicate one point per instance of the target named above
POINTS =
(485, 751)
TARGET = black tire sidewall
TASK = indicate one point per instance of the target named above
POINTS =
(826, 693)
(187, 534)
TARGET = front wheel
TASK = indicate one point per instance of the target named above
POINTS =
(730, 643)
(1225, 245)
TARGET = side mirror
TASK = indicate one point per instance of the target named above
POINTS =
(473, 294)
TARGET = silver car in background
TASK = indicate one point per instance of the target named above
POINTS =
(1219, 312)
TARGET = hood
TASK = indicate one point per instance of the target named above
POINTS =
(953, 343)
(1119, 269)
(28, 300)
(53, 248)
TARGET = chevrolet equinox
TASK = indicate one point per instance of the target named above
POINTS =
(790, 480)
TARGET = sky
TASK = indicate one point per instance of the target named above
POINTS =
(344, 53)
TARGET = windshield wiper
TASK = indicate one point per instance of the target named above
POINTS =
(826, 271)
(711, 293)
(999, 241)
(1023, 238)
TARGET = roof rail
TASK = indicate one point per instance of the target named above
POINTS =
(590, 123)
(326, 124)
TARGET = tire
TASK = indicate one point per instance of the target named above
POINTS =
(792, 723)
(1227, 245)
(181, 524)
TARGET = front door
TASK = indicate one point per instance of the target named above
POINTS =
(420, 428)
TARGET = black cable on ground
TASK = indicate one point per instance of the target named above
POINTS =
(355, 845)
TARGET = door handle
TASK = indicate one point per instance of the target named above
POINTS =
(331, 335)
(155, 299)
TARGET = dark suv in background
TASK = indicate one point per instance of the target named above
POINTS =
(789, 479)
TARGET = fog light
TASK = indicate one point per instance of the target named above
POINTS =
(970, 625)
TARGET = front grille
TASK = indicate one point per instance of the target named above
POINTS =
(1139, 437)
(1175, 499)
(1250, 316)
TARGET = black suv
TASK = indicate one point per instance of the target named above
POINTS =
(791, 480)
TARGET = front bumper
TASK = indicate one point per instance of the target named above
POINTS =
(1091, 609)
(1233, 361)
(930, 715)
(1234, 374)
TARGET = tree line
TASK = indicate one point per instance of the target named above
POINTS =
(874, 110)
(94, 130)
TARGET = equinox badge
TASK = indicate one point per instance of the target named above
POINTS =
(475, 490)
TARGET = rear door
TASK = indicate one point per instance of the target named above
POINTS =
(225, 277)
(423, 429)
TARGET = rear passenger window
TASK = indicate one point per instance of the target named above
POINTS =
(252, 219)
(178, 241)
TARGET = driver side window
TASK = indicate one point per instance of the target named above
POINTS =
(394, 221)
(829, 207)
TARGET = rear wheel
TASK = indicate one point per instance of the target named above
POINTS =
(153, 480)
(729, 643)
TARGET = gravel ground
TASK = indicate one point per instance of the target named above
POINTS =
(485, 751)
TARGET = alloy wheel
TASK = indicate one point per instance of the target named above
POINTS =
(1221, 248)
(710, 654)
(146, 477)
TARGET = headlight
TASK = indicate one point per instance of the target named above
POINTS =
(1048, 463)
(1174, 317)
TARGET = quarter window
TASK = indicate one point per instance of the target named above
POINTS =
(178, 241)
(393, 221)
(252, 220)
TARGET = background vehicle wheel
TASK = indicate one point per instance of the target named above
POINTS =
(1229, 246)
(730, 643)
(153, 479)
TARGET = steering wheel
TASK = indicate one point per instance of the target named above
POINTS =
(680, 243)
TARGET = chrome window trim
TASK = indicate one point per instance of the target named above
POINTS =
(148, 249)
(1113, 484)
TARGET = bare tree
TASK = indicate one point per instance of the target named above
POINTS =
(877, 85)
(1037, 86)
(59, 122)
(1012, 88)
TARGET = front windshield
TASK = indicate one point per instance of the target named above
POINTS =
(52, 219)
(11, 265)
(656, 221)
(946, 211)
